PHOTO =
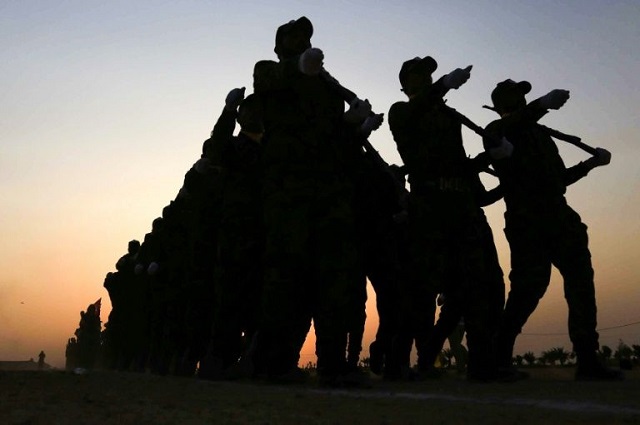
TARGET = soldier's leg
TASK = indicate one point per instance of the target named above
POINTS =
(448, 320)
(529, 276)
(285, 294)
(573, 259)
(335, 258)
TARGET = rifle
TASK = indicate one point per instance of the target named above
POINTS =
(574, 140)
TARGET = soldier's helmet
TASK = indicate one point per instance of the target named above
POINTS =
(509, 95)
(299, 34)
(416, 66)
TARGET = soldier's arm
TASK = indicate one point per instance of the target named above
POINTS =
(531, 113)
(575, 173)
(221, 135)
(399, 115)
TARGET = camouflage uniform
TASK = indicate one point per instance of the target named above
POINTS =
(310, 253)
(444, 221)
(240, 248)
(492, 282)
(542, 231)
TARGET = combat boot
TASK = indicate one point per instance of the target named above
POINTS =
(590, 368)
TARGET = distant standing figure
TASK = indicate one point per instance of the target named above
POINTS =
(41, 357)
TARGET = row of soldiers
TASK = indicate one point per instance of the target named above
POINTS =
(282, 224)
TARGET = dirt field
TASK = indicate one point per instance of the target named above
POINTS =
(549, 397)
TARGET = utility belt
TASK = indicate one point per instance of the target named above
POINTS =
(442, 184)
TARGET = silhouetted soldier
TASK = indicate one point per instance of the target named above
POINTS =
(541, 228)
(153, 280)
(203, 190)
(71, 354)
(239, 270)
(121, 287)
(444, 215)
(88, 337)
(310, 253)
(375, 201)
(448, 326)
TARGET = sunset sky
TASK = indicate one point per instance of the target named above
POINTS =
(104, 107)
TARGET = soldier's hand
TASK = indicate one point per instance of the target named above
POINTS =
(234, 99)
(358, 111)
(554, 99)
(372, 123)
(457, 77)
(503, 150)
(602, 157)
(311, 61)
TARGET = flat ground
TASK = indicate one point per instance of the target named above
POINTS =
(549, 397)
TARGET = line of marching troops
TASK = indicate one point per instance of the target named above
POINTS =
(282, 224)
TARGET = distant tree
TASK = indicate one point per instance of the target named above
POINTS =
(560, 355)
(530, 358)
(623, 351)
(556, 355)
(545, 358)
(636, 352)
(624, 355)
(605, 353)
(518, 360)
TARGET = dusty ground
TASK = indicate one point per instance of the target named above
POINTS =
(549, 397)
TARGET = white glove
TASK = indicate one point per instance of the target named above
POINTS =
(234, 99)
(153, 268)
(311, 61)
(457, 77)
(373, 122)
(138, 269)
(554, 99)
(358, 111)
(504, 150)
(602, 157)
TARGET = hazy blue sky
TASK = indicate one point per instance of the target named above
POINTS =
(104, 107)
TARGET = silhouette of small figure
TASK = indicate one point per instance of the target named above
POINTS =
(41, 358)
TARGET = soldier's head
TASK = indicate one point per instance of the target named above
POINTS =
(415, 74)
(133, 246)
(250, 116)
(509, 96)
(207, 146)
(156, 224)
(293, 38)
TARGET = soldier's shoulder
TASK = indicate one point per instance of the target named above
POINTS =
(263, 65)
(494, 125)
(398, 109)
